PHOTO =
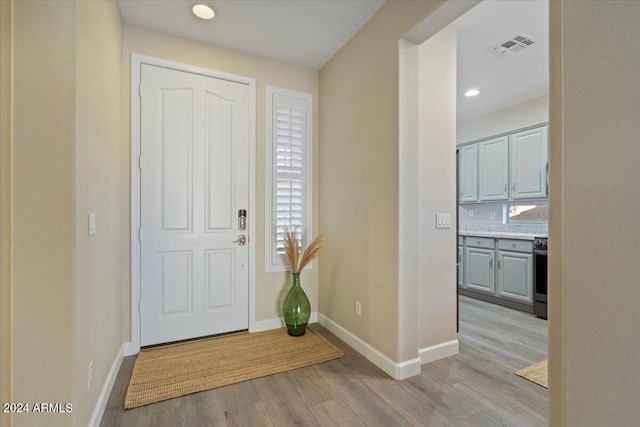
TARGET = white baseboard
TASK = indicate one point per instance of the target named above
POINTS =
(275, 323)
(438, 351)
(130, 350)
(101, 404)
(398, 371)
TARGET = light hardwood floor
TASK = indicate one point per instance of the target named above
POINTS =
(477, 387)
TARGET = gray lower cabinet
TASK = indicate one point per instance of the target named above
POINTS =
(515, 276)
(480, 273)
(509, 281)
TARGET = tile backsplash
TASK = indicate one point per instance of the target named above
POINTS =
(482, 221)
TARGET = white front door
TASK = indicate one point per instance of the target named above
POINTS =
(194, 135)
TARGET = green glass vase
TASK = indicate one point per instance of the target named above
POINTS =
(296, 309)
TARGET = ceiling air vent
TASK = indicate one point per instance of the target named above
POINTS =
(513, 45)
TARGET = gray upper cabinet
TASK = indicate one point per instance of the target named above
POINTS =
(529, 164)
(511, 167)
(469, 174)
(494, 169)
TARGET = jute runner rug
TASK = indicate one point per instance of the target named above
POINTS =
(537, 373)
(175, 370)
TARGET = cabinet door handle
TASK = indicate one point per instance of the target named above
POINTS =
(514, 187)
(499, 263)
(491, 263)
(505, 187)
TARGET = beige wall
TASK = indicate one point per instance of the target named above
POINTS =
(528, 113)
(5, 209)
(270, 287)
(437, 188)
(42, 207)
(593, 252)
(98, 173)
(65, 142)
(359, 177)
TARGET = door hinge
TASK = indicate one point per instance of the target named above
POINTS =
(140, 90)
(139, 234)
(140, 162)
(139, 307)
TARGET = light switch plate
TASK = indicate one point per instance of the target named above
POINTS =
(92, 223)
(443, 220)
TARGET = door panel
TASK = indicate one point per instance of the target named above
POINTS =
(529, 164)
(176, 139)
(194, 179)
(469, 173)
(494, 169)
(480, 272)
(515, 276)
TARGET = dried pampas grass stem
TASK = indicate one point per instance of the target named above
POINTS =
(293, 250)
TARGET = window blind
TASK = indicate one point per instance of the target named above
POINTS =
(287, 144)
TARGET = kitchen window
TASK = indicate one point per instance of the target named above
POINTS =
(528, 213)
(288, 163)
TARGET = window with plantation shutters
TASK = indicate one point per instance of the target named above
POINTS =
(288, 170)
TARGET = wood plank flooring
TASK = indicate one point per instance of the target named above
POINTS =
(474, 388)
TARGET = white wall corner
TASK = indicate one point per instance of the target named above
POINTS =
(439, 351)
(101, 404)
(397, 371)
(275, 323)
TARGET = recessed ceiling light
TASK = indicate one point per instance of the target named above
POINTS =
(202, 11)
(472, 92)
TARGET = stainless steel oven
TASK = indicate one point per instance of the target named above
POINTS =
(540, 277)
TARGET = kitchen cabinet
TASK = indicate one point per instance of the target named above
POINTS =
(469, 174)
(480, 272)
(528, 152)
(515, 276)
(511, 167)
(493, 169)
(509, 281)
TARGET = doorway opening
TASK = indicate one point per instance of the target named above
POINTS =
(500, 49)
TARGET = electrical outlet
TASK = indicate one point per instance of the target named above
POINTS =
(90, 375)
(470, 212)
(358, 309)
(493, 215)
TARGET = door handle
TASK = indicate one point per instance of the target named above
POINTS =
(491, 263)
(514, 187)
(499, 263)
(505, 187)
(242, 240)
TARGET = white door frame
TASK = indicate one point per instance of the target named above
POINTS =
(137, 60)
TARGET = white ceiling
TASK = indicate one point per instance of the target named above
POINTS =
(300, 32)
(503, 81)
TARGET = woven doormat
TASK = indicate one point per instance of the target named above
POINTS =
(176, 370)
(537, 373)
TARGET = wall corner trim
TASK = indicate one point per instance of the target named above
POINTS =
(397, 371)
(439, 351)
(101, 404)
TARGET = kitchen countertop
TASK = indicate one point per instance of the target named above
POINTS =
(502, 234)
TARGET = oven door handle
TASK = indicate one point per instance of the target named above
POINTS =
(535, 252)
